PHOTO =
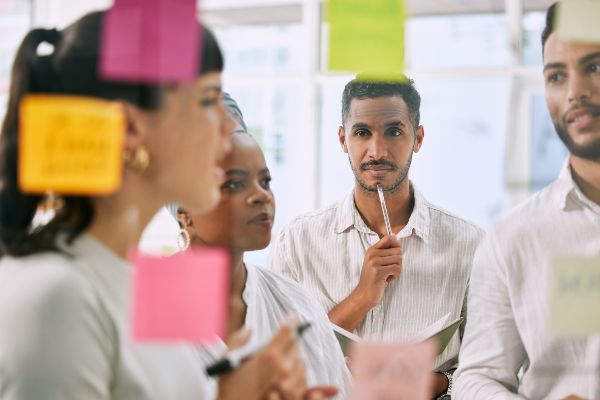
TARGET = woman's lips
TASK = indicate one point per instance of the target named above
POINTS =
(262, 219)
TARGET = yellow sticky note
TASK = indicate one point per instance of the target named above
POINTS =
(577, 20)
(575, 296)
(367, 36)
(70, 145)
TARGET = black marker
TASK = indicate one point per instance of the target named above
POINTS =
(234, 358)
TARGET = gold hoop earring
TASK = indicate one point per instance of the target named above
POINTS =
(183, 239)
(138, 159)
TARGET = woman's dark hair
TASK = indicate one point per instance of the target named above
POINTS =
(72, 68)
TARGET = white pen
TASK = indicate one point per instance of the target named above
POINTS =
(235, 358)
(386, 218)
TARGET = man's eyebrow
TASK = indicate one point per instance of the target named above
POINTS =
(395, 123)
(587, 58)
(360, 125)
(554, 65)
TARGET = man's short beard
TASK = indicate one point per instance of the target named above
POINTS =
(589, 152)
(393, 188)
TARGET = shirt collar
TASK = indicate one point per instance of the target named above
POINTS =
(419, 222)
(569, 195)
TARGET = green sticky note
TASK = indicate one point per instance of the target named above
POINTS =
(577, 21)
(575, 296)
(367, 36)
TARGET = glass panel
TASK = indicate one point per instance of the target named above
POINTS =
(533, 25)
(548, 153)
(262, 49)
(440, 42)
(15, 21)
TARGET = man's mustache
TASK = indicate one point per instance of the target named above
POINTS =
(378, 163)
(585, 105)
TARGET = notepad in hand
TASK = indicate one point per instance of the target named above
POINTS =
(344, 338)
(440, 331)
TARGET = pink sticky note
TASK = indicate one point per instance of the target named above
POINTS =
(154, 41)
(388, 371)
(181, 298)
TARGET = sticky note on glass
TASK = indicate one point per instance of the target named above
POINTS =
(575, 296)
(577, 20)
(152, 41)
(70, 145)
(366, 36)
(388, 371)
(180, 298)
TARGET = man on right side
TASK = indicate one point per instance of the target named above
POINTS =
(507, 352)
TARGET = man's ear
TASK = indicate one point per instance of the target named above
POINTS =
(419, 136)
(342, 138)
(184, 218)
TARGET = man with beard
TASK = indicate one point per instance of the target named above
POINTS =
(507, 352)
(382, 287)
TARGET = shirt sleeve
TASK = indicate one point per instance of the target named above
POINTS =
(492, 351)
(54, 342)
(280, 258)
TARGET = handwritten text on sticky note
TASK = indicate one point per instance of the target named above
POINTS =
(153, 41)
(366, 36)
(70, 144)
(180, 298)
(386, 371)
(575, 296)
(577, 20)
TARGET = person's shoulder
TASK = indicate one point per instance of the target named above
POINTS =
(449, 221)
(528, 216)
(322, 217)
(292, 290)
(49, 280)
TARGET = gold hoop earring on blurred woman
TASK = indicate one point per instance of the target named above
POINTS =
(137, 160)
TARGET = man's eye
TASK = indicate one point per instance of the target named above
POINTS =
(594, 68)
(553, 78)
(361, 132)
(393, 132)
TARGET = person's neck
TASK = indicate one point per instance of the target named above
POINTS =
(237, 306)
(119, 220)
(586, 174)
(399, 204)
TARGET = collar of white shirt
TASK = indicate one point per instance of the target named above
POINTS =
(418, 224)
(568, 195)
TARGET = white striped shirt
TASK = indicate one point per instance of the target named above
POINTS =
(324, 251)
(508, 303)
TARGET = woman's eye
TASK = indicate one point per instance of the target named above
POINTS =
(266, 183)
(233, 185)
(208, 102)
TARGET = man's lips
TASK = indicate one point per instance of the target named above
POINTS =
(582, 117)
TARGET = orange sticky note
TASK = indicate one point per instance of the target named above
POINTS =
(180, 298)
(70, 144)
(392, 371)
